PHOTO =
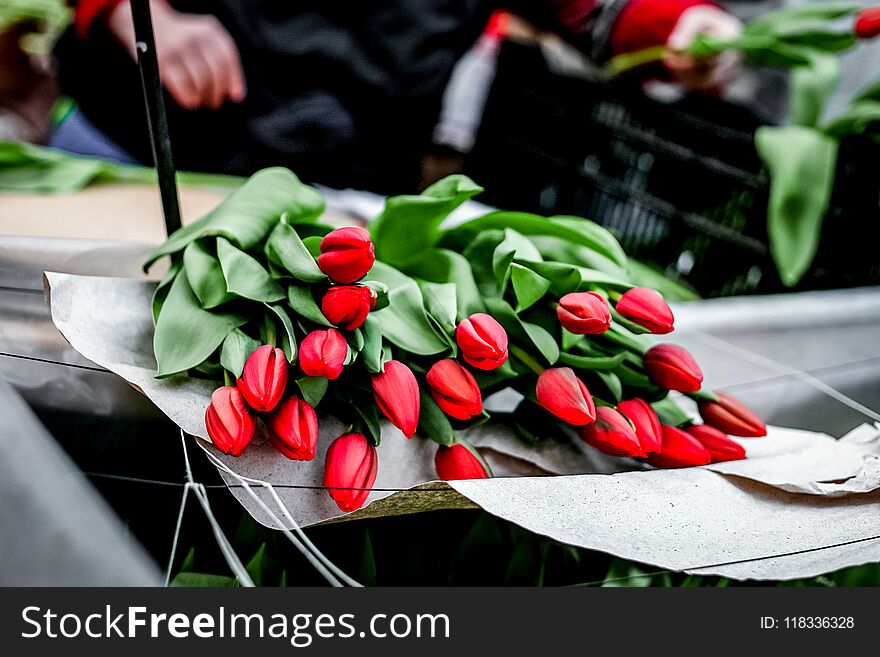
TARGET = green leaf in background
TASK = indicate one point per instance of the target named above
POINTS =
(612, 383)
(408, 220)
(773, 21)
(203, 580)
(288, 337)
(669, 413)
(528, 287)
(250, 212)
(445, 266)
(245, 276)
(236, 349)
(205, 274)
(810, 87)
(27, 169)
(312, 389)
(405, 321)
(285, 248)
(522, 330)
(802, 165)
(369, 415)
(185, 333)
(596, 234)
(433, 423)
(255, 566)
(856, 119)
(303, 304)
(643, 275)
(372, 351)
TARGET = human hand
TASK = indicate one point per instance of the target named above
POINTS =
(702, 73)
(199, 62)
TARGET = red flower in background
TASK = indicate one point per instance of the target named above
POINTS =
(646, 307)
(719, 445)
(868, 23)
(264, 378)
(350, 470)
(347, 254)
(679, 450)
(230, 421)
(646, 422)
(347, 306)
(563, 394)
(454, 389)
(294, 429)
(732, 417)
(396, 392)
(611, 433)
(483, 341)
(672, 367)
(458, 462)
(322, 353)
(584, 313)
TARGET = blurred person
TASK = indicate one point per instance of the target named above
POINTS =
(346, 95)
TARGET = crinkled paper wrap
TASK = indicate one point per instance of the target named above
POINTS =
(798, 494)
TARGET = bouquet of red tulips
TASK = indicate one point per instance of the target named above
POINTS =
(419, 324)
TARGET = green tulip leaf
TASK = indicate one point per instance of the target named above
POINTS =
(433, 423)
(528, 287)
(245, 276)
(523, 330)
(285, 248)
(186, 334)
(205, 274)
(303, 304)
(802, 166)
(312, 389)
(372, 351)
(236, 349)
(287, 337)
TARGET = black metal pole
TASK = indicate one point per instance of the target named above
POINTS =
(157, 119)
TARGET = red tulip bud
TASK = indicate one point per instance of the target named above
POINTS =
(483, 341)
(347, 306)
(294, 429)
(458, 462)
(566, 396)
(347, 254)
(322, 353)
(719, 445)
(646, 422)
(679, 450)
(868, 23)
(611, 433)
(264, 378)
(230, 421)
(396, 392)
(584, 313)
(455, 390)
(672, 367)
(350, 470)
(731, 416)
(646, 308)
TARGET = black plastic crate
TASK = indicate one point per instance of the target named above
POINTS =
(680, 184)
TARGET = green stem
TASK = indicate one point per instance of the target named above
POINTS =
(624, 341)
(627, 61)
(703, 394)
(527, 360)
(270, 330)
(228, 379)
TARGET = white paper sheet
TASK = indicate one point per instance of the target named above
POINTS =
(797, 492)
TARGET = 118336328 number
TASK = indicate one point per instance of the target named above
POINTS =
(818, 622)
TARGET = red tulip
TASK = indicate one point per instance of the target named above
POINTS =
(347, 306)
(347, 254)
(584, 313)
(672, 367)
(611, 433)
(566, 396)
(230, 421)
(483, 341)
(732, 417)
(455, 390)
(646, 308)
(396, 392)
(322, 353)
(679, 450)
(264, 378)
(458, 462)
(719, 445)
(868, 23)
(350, 470)
(646, 422)
(294, 428)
